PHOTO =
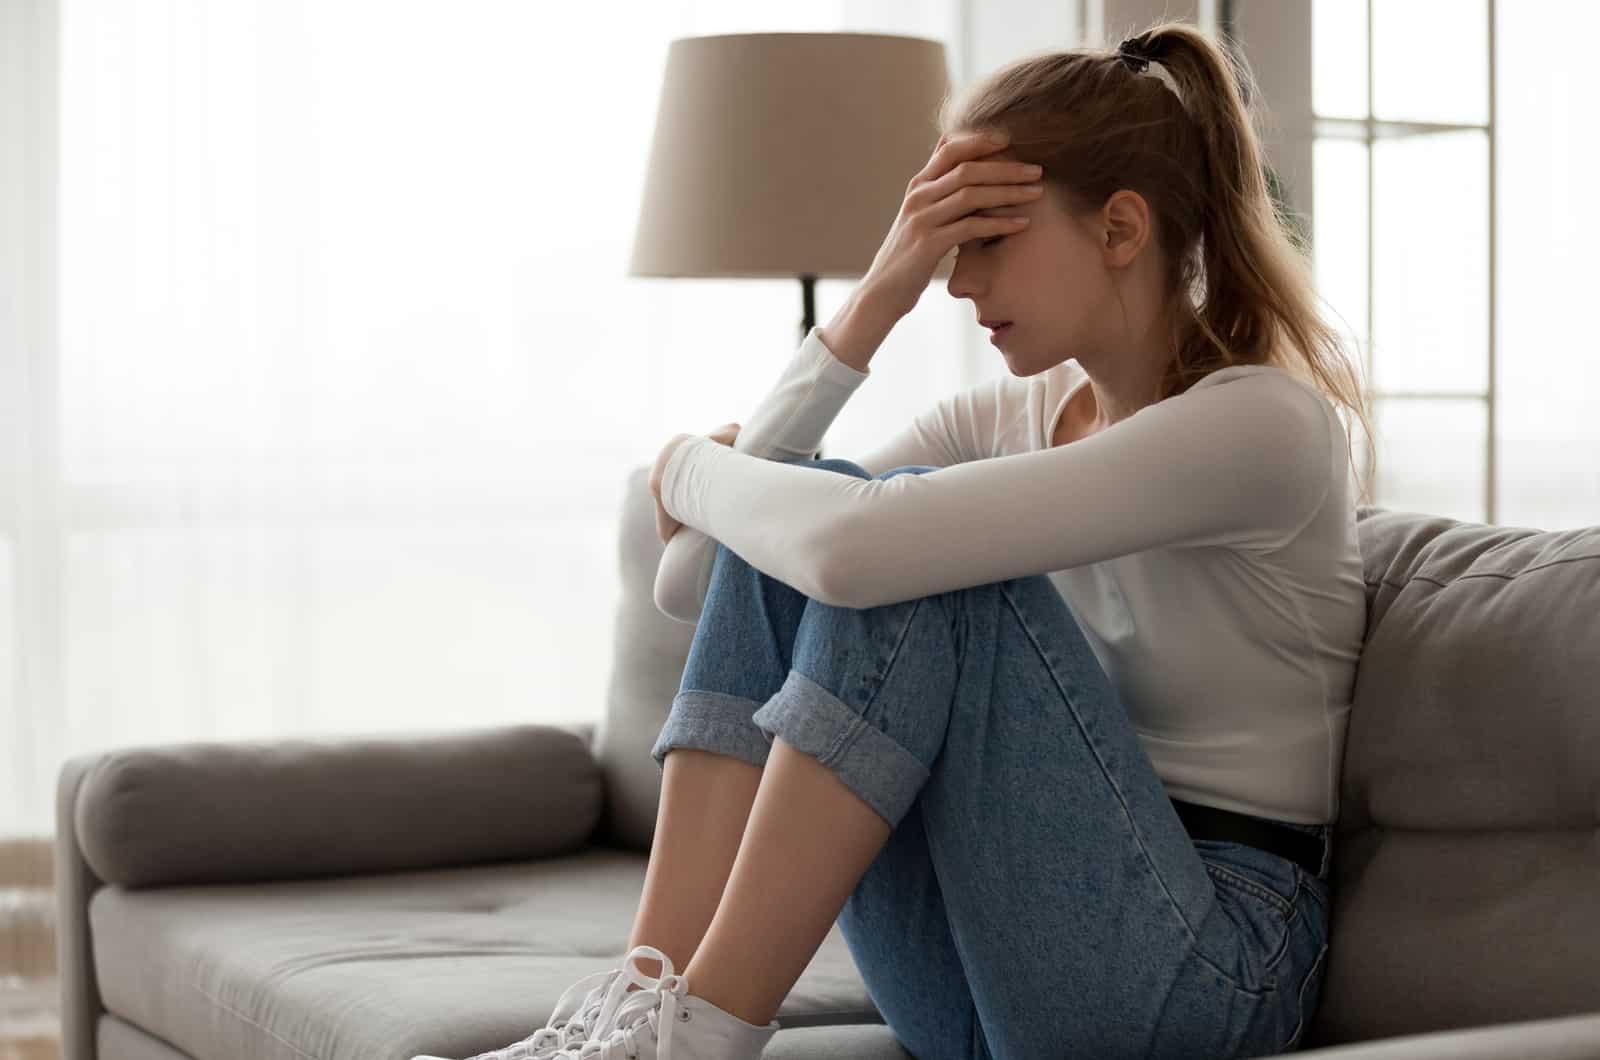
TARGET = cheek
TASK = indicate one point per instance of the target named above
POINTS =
(1080, 277)
(1075, 293)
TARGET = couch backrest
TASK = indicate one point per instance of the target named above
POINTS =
(1465, 855)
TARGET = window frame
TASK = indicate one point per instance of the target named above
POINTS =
(1368, 130)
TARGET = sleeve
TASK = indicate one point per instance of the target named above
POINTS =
(789, 425)
(1241, 461)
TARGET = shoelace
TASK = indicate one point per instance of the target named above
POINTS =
(653, 1008)
(566, 1028)
(625, 1013)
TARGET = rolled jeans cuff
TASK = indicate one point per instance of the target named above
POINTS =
(712, 721)
(867, 760)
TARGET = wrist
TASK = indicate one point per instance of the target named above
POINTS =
(859, 328)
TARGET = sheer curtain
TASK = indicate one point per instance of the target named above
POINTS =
(337, 375)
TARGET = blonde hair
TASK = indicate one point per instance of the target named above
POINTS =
(1238, 271)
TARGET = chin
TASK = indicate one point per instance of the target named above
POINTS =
(1017, 370)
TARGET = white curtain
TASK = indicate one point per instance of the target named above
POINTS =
(329, 375)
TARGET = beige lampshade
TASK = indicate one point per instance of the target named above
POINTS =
(783, 154)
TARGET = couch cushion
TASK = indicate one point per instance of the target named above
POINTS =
(279, 809)
(1465, 855)
(449, 961)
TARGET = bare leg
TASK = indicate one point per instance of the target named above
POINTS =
(808, 843)
(705, 802)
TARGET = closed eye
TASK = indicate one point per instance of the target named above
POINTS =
(990, 241)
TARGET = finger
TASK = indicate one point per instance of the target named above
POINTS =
(973, 227)
(951, 206)
(953, 152)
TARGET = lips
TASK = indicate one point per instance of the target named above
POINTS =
(994, 324)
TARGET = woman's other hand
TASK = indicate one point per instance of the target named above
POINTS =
(666, 525)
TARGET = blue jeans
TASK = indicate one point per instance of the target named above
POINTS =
(1038, 895)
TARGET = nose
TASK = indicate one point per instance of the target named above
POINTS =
(960, 284)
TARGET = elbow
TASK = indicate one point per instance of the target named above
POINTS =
(669, 603)
(826, 595)
(676, 608)
(676, 593)
(830, 567)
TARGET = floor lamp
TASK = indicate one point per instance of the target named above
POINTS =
(785, 154)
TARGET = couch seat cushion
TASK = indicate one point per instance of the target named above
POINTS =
(448, 961)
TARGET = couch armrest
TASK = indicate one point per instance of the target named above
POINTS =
(271, 810)
(1563, 1038)
(75, 885)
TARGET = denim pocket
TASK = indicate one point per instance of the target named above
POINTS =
(1260, 894)
(1254, 886)
(1269, 876)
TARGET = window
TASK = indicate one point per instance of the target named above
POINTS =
(1446, 224)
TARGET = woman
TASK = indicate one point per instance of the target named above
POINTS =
(1043, 702)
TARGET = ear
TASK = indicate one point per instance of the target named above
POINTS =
(1124, 227)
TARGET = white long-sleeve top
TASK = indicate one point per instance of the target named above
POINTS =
(1206, 545)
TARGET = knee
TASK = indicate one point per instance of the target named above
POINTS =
(850, 467)
(909, 469)
(835, 463)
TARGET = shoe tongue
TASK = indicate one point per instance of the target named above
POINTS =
(638, 1004)
(630, 1015)
(617, 999)
(620, 1000)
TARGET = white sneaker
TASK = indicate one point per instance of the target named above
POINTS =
(664, 1021)
(571, 1024)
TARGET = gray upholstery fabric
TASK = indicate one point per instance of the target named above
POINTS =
(216, 812)
(1465, 858)
(449, 961)
(122, 1040)
(1564, 1038)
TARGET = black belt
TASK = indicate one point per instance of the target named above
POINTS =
(1209, 822)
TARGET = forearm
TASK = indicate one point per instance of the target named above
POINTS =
(787, 425)
(858, 329)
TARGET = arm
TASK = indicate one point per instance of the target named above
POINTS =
(787, 425)
(1243, 459)
(955, 430)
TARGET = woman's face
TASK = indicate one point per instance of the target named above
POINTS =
(1049, 279)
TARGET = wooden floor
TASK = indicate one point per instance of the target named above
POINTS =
(31, 1049)
(30, 1028)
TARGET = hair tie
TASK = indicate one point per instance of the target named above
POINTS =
(1134, 56)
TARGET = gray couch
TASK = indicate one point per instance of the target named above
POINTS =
(388, 895)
